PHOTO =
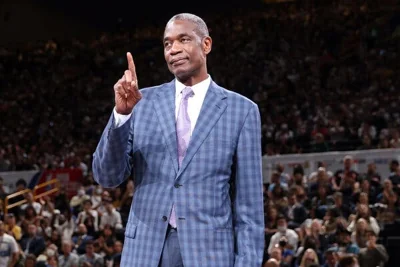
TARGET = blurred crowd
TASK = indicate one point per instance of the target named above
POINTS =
(325, 77)
(326, 218)
(86, 230)
(330, 218)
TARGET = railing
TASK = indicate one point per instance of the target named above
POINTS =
(53, 182)
(36, 194)
(16, 204)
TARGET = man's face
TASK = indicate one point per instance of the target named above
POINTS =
(66, 247)
(32, 230)
(184, 50)
(20, 187)
(345, 238)
(330, 259)
(89, 249)
(347, 164)
(118, 247)
(372, 238)
(281, 223)
(11, 220)
(371, 168)
(87, 206)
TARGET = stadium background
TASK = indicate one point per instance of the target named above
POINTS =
(324, 74)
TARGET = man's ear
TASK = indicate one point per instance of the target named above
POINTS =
(207, 44)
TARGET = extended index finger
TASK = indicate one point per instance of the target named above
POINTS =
(131, 64)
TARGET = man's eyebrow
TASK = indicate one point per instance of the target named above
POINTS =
(179, 36)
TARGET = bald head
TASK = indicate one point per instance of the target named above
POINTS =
(271, 263)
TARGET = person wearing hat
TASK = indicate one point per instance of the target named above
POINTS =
(346, 246)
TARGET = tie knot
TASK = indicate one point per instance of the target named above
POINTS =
(187, 92)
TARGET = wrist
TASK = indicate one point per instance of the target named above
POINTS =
(123, 112)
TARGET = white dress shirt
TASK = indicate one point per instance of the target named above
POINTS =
(194, 103)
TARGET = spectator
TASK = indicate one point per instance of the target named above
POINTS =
(359, 235)
(68, 258)
(373, 254)
(348, 261)
(276, 255)
(309, 258)
(330, 258)
(272, 263)
(363, 211)
(20, 185)
(111, 216)
(31, 202)
(346, 246)
(12, 228)
(88, 212)
(9, 250)
(292, 237)
(30, 260)
(80, 238)
(90, 257)
(31, 243)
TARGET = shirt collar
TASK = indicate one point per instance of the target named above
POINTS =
(197, 88)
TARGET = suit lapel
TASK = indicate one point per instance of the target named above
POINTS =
(164, 106)
(212, 108)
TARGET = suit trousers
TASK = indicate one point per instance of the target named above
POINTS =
(171, 254)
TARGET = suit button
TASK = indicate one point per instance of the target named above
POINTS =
(164, 218)
(177, 185)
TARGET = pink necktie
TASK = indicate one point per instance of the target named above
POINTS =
(182, 136)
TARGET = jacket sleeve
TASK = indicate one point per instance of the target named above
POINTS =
(248, 204)
(111, 160)
(382, 253)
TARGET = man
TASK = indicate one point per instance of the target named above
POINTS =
(277, 254)
(80, 238)
(346, 246)
(20, 185)
(8, 248)
(283, 231)
(94, 259)
(31, 243)
(374, 254)
(31, 202)
(88, 212)
(197, 203)
(12, 228)
(331, 258)
(348, 261)
(68, 258)
(111, 217)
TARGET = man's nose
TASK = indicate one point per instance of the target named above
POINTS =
(176, 47)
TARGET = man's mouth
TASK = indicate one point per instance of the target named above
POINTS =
(178, 61)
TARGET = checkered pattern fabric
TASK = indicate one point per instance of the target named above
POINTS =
(217, 191)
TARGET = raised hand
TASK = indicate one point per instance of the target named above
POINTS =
(126, 90)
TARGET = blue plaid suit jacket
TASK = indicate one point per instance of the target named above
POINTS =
(217, 191)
